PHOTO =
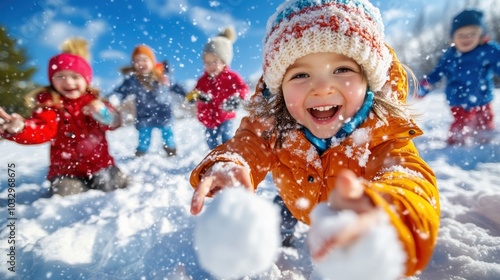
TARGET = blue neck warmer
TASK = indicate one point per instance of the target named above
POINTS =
(322, 144)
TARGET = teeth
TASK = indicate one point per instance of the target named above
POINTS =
(324, 108)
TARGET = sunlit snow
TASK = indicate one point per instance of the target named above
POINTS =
(147, 232)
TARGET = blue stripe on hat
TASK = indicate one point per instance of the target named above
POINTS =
(301, 4)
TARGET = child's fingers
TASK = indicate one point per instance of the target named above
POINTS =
(242, 175)
(200, 193)
(350, 234)
(4, 116)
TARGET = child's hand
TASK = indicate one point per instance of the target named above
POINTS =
(93, 107)
(423, 89)
(217, 177)
(12, 124)
(231, 104)
(98, 111)
(348, 195)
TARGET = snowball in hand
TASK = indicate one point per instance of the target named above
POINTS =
(238, 234)
(378, 254)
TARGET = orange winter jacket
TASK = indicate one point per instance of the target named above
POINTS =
(397, 178)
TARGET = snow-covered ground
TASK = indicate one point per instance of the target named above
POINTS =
(147, 232)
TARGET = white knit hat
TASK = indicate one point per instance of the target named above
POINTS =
(353, 28)
(222, 45)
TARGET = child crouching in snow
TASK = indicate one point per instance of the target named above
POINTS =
(328, 120)
(70, 114)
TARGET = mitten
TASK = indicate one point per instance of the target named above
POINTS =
(231, 104)
(423, 88)
(101, 113)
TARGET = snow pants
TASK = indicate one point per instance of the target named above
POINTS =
(107, 179)
(467, 123)
(218, 135)
(145, 137)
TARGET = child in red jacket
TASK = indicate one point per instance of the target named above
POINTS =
(70, 114)
(219, 90)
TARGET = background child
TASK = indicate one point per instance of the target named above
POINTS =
(148, 84)
(219, 90)
(328, 120)
(468, 66)
(70, 114)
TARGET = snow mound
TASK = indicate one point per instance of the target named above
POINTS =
(238, 234)
(376, 255)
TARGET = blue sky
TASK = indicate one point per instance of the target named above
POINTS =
(177, 30)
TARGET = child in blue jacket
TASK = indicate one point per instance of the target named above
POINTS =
(147, 82)
(468, 65)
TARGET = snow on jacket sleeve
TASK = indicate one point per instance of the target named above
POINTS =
(39, 128)
(251, 147)
(405, 187)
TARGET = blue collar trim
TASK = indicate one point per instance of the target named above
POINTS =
(322, 144)
(360, 116)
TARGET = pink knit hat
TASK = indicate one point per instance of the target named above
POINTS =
(66, 61)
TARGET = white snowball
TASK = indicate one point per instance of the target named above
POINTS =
(376, 255)
(238, 234)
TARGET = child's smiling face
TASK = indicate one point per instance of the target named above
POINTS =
(324, 90)
(143, 64)
(213, 64)
(467, 38)
(69, 83)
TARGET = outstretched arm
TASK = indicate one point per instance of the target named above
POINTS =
(220, 175)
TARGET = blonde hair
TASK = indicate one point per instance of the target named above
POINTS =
(31, 99)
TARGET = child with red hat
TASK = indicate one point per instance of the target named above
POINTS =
(147, 83)
(469, 66)
(70, 115)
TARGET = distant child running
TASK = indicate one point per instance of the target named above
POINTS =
(468, 66)
(329, 121)
(219, 90)
(148, 84)
(70, 115)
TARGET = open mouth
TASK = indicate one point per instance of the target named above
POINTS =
(323, 113)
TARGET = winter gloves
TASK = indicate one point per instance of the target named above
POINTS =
(231, 104)
(101, 113)
(196, 95)
(228, 105)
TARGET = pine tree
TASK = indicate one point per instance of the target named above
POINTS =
(15, 75)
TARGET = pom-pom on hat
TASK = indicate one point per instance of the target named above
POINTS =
(466, 18)
(145, 50)
(73, 57)
(350, 27)
(222, 45)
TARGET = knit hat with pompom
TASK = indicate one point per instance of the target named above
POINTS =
(74, 57)
(222, 45)
(353, 28)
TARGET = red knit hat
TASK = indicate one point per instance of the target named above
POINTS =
(66, 61)
(145, 50)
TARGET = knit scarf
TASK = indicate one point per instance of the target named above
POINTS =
(322, 144)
